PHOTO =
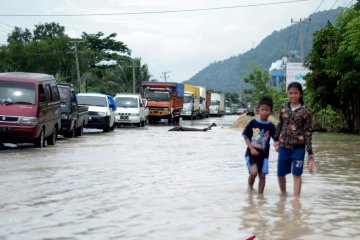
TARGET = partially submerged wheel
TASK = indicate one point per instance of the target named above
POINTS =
(52, 139)
(40, 141)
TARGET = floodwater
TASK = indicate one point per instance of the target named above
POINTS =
(148, 183)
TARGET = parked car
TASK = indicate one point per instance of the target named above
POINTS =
(73, 116)
(131, 109)
(101, 109)
(29, 108)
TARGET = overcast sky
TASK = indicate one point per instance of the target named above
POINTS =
(182, 43)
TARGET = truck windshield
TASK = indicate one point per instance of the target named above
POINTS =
(92, 101)
(157, 96)
(17, 92)
(215, 102)
(64, 94)
(127, 102)
(188, 99)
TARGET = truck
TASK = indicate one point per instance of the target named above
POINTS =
(191, 107)
(204, 102)
(131, 109)
(217, 106)
(73, 116)
(165, 100)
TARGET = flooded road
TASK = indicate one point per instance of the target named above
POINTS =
(148, 183)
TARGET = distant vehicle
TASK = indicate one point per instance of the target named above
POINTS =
(102, 109)
(131, 109)
(204, 102)
(241, 111)
(165, 100)
(228, 110)
(191, 106)
(217, 107)
(73, 116)
(29, 108)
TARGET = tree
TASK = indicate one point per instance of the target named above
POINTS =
(334, 62)
(261, 81)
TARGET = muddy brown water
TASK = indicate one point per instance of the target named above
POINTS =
(149, 183)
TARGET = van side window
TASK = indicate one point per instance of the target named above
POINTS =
(48, 93)
(54, 92)
(41, 93)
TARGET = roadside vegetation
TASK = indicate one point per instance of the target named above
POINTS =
(333, 85)
(105, 63)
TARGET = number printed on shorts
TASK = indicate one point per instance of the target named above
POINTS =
(299, 163)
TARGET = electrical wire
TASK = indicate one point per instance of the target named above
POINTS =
(152, 12)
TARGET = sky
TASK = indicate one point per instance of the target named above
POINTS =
(166, 38)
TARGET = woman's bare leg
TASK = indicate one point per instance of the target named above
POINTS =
(297, 185)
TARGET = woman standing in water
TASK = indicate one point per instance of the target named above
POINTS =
(293, 136)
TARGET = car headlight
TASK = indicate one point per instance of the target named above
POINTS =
(102, 114)
(64, 116)
(166, 109)
(135, 114)
(28, 120)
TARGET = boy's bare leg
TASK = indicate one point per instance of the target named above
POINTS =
(282, 183)
(252, 176)
(261, 183)
(297, 185)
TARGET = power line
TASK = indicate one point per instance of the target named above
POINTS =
(319, 6)
(152, 12)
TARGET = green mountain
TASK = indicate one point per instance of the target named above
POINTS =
(228, 75)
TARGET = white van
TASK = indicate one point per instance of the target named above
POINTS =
(101, 109)
(131, 109)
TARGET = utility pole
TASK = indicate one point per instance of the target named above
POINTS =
(133, 66)
(165, 75)
(301, 22)
(77, 62)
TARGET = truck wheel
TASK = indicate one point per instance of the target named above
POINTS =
(40, 141)
(52, 139)
(170, 119)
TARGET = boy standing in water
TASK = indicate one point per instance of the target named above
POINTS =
(293, 137)
(257, 137)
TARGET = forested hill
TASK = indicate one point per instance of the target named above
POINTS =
(228, 75)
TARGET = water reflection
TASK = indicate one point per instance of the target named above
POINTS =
(153, 184)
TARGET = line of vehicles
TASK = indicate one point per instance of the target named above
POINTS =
(35, 108)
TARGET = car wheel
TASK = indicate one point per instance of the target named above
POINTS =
(80, 131)
(52, 139)
(40, 141)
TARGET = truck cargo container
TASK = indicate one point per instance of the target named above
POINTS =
(217, 107)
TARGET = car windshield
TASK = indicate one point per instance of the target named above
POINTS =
(215, 102)
(127, 102)
(157, 96)
(92, 100)
(64, 94)
(17, 92)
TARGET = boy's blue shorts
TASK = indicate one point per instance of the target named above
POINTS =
(262, 163)
(291, 160)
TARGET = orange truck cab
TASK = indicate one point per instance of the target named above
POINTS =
(165, 100)
(30, 108)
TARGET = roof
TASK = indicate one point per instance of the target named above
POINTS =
(25, 76)
(92, 94)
